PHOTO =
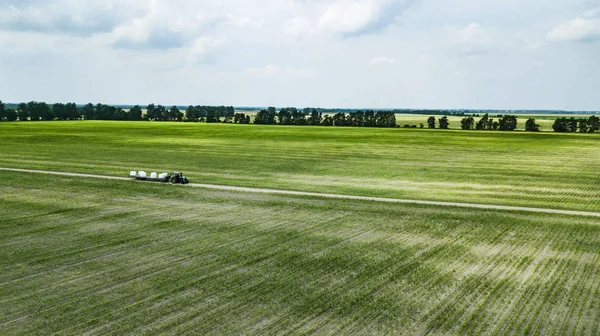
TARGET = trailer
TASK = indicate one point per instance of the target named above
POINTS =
(175, 178)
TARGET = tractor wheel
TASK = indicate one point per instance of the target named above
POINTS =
(173, 179)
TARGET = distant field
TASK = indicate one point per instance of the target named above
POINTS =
(541, 170)
(112, 257)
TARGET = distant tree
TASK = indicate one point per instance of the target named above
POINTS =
(583, 125)
(239, 118)
(285, 115)
(431, 122)
(339, 119)
(72, 111)
(444, 123)
(35, 112)
(11, 115)
(135, 113)
(151, 111)
(271, 115)
(531, 126)
(88, 112)
(229, 112)
(60, 111)
(105, 112)
(298, 117)
(467, 123)
(262, 117)
(23, 112)
(121, 114)
(508, 123)
(212, 115)
(560, 125)
(385, 119)
(327, 121)
(2, 111)
(573, 124)
(160, 113)
(482, 124)
(174, 114)
(315, 118)
(593, 124)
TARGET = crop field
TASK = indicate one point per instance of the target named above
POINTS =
(545, 170)
(96, 256)
(92, 256)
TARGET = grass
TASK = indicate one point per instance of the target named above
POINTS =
(117, 257)
(545, 170)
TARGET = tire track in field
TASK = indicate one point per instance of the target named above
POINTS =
(325, 195)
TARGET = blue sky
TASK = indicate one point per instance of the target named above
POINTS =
(495, 54)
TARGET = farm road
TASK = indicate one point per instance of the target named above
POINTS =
(335, 196)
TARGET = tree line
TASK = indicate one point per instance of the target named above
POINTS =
(313, 117)
(582, 125)
(36, 111)
(509, 123)
(504, 123)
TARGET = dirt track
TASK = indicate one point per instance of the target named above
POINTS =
(336, 196)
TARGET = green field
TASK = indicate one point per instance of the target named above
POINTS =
(124, 257)
(541, 170)
(91, 256)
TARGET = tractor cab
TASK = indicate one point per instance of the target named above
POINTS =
(178, 177)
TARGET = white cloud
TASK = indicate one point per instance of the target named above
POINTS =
(382, 60)
(357, 17)
(298, 27)
(66, 16)
(584, 28)
(271, 70)
(471, 41)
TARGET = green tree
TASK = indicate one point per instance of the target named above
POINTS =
(151, 111)
(431, 122)
(23, 112)
(572, 124)
(89, 112)
(285, 116)
(315, 118)
(482, 124)
(531, 126)
(135, 113)
(327, 121)
(444, 123)
(2, 111)
(467, 123)
(72, 111)
(583, 125)
(339, 119)
(60, 111)
(212, 116)
(508, 123)
(271, 116)
(560, 125)
(262, 117)
(11, 115)
(593, 124)
(175, 114)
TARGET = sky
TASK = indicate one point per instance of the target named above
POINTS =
(450, 54)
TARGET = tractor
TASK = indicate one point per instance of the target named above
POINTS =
(178, 177)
